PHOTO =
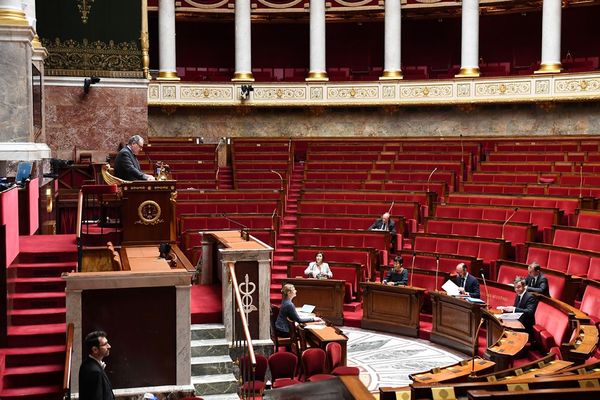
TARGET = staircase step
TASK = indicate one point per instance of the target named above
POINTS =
(50, 392)
(211, 365)
(37, 316)
(36, 335)
(42, 284)
(27, 356)
(215, 384)
(353, 307)
(207, 331)
(14, 377)
(210, 347)
(37, 300)
(33, 270)
(286, 242)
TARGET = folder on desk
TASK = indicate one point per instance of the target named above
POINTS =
(451, 288)
(307, 308)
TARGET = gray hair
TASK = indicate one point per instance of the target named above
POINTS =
(135, 139)
(535, 266)
(521, 280)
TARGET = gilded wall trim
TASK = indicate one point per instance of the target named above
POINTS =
(547, 88)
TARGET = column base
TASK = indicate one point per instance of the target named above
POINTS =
(168, 76)
(13, 18)
(555, 68)
(468, 72)
(317, 76)
(243, 77)
(393, 74)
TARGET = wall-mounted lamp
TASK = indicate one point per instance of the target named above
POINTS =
(87, 82)
(245, 91)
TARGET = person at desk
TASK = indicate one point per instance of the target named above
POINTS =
(386, 223)
(397, 275)
(525, 303)
(318, 268)
(127, 166)
(288, 310)
(93, 381)
(467, 284)
(536, 281)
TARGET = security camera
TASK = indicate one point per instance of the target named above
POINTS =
(87, 82)
(245, 91)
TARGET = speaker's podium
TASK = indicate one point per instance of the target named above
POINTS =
(148, 212)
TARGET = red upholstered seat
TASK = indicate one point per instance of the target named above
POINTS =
(283, 369)
(313, 364)
(334, 355)
(551, 326)
(257, 385)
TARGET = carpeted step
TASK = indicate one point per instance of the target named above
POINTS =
(43, 284)
(277, 278)
(36, 335)
(353, 318)
(47, 248)
(15, 377)
(19, 301)
(37, 270)
(26, 356)
(285, 235)
(289, 226)
(37, 316)
(286, 242)
(282, 259)
(50, 392)
(353, 307)
(206, 304)
(425, 330)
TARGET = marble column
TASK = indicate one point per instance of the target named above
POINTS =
(317, 70)
(11, 13)
(243, 42)
(166, 40)
(392, 59)
(551, 31)
(469, 53)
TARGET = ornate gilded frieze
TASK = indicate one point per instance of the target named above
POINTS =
(532, 89)
(84, 7)
(71, 57)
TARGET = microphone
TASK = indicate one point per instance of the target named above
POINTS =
(243, 232)
(412, 267)
(580, 180)
(475, 346)
(487, 294)
(437, 270)
(430, 175)
(280, 178)
(391, 206)
(462, 150)
(508, 219)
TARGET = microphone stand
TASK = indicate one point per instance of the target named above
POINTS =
(509, 218)
(391, 206)
(487, 294)
(475, 346)
(152, 166)
(412, 268)
(580, 180)
(437, 269)
(243, 232)
(430, 175)
(280, 178)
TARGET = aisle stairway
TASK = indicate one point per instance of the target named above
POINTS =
(32, 365)
(225, 178)
(284, 251)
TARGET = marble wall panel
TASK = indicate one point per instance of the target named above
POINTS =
(96, 122)
(494, 120)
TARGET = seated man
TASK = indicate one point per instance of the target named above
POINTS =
(467, 284)
(397, 275)
(536, 281)
(385, 223)
(525, 303)
(127, 166)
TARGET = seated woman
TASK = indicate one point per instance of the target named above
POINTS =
(318, 268)
(397, 275)
(288, 310)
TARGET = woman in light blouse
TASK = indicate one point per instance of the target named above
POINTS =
(318, 268)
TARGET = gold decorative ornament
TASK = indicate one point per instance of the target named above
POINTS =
(149, 212)
(84, 7)
(243, 77)
(468, 72)
(554, 68)
(393, 74)
(13, 17)
(317, 76)
(168, 76)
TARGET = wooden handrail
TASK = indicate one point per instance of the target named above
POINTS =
(68, 360)
(79, 214)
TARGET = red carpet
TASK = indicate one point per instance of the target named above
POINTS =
(206, 304)
(47, 244)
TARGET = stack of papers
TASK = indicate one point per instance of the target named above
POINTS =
(474, 300)
(451, 288)
(511, 316)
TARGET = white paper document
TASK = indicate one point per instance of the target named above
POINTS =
(307, 308)
(451, 288)
(315, 327)
(510, 316)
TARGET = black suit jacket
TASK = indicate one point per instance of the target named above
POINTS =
(398, 278)
(527, 306)
(471, 286)
(93, 381)
(541, 285)
(379, 225)
(127, 166)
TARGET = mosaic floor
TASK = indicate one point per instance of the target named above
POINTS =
(386, 359)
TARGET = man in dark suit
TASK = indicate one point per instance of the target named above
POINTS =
(386, 223)
(525, 303)
(127, 166)
(93, 381)
(397, 275)
(536, 280)
(467, 283)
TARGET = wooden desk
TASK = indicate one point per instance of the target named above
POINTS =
(392, 308)
(143, 259)
(453, 373)
(584, 344)
(455, 322)
(320, 337)
(548, 369)
(327, 295)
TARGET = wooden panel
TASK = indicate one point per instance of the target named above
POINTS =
(327, 295)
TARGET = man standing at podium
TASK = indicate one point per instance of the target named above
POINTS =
(127, 166)
(467, 284)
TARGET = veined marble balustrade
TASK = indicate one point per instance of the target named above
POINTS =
(514, 89)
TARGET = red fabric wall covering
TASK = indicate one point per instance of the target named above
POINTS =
(509, 44)
(9, 216)
(33, 200)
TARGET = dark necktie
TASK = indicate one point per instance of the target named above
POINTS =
(518, 301)
(534, 284)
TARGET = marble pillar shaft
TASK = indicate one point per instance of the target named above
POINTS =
(317, 39)
(243, 41)
(551, 32)
(469, 53)
(393, 42)
(166, 39)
